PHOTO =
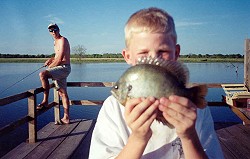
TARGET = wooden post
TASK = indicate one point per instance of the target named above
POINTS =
(32, 114)
(57, 107)
(247, 64)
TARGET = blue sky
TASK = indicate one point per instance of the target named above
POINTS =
(203, 27)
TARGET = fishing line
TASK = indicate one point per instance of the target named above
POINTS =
(21, 80)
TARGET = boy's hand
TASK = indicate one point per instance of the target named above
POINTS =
(181, 113)
(139, 115)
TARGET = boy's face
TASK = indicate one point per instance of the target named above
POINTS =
(151, 44)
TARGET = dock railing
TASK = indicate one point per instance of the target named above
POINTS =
(31, 96)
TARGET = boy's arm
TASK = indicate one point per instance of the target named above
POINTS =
(182, 113)
(192, 147)
(111, 137)
(139, 115)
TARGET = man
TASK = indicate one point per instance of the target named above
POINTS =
(58, 69)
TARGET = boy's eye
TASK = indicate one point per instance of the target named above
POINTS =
(166, 55)
(164, 51)
(143, 53)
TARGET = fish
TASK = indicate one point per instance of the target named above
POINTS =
(158, 78)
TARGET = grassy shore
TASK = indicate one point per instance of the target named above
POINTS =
(105, 60)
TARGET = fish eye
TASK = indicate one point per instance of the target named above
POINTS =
(116, 87)
(129, 87)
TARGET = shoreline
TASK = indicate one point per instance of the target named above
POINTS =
(112, 60)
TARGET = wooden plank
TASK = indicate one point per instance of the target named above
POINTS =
(246, 64)
(241, 136)
(232, 85)
(230, 142)
(226, 152)
(213, 85)
(246, 128)
(83, 150)
(17, 97)
(90, 84)
(245, 112)
(25, 148)
(86, 102)
(32, 125)
(241, 95)
(49, 144)
(240, 115)
(57, 107)
(236, 89)
(69, 145)
(14, 98)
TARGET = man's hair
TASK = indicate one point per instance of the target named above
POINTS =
(150, 20)
(53, 25)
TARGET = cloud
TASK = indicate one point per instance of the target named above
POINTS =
(53, 19)
(187, 24)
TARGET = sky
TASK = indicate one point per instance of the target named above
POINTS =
(203, 26)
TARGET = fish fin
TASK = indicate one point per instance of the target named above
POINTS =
(164, 121)
(199, 95)
(176, 68)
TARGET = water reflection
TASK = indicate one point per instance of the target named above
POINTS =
(108, 72)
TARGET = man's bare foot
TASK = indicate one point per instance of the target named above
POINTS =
(42, 105)
(65, 121)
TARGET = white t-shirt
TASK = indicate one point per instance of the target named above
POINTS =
(111, 134)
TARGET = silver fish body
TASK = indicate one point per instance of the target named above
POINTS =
(157, 78)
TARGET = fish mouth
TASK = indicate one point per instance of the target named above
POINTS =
(121, 101)
(113, 93)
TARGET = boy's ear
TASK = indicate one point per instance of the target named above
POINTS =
(126, 56)
(177, 51)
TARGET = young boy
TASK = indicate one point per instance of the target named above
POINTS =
(132, 131)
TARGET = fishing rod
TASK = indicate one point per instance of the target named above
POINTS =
(22, 79)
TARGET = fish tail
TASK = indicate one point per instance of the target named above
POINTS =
(199, 94)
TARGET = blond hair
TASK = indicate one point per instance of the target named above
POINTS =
(151, 20)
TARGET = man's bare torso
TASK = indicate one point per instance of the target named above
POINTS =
(62, 50)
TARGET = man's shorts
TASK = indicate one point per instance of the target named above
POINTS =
(59, 75)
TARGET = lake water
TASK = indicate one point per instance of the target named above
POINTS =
(99, 72)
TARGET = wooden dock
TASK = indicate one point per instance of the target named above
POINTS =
(57, 141)
(72, 141)
(234, 141)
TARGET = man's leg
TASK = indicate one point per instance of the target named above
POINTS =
(44, 77)
(65, 101)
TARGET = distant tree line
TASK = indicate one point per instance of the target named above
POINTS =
(118, 55)
(79, 52)
(105, 55)
(24, 56)
(77, 55)
(213, 56)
